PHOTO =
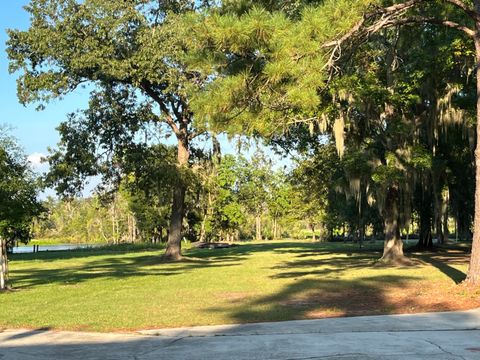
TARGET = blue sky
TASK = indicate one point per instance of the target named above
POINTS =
(35, 130)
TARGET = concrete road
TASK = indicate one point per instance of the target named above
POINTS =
(438, 336)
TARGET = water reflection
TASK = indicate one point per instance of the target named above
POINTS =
(28, 249)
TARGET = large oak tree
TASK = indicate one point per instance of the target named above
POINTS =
(132, 53)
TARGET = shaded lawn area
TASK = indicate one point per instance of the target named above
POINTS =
(130, 288)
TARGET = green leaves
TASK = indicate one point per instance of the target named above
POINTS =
(18, 192)
(270, 68)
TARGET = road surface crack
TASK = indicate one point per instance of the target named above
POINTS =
(174, 341)
(443, 350)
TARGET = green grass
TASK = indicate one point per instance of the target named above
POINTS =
(128, 287)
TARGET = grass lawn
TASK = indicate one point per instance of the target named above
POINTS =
(128, 288)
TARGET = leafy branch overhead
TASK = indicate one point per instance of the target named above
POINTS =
(273, 71)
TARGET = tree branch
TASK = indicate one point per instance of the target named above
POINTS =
(467, 9)
(390, 16)
(168, 117)
(401, 6)
(193, 135)
(175, 105)
(385, 15)
(413, 20)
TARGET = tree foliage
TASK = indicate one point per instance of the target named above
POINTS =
(19, 204)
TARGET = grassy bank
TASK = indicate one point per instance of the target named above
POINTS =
(126, 288)
(59, 241)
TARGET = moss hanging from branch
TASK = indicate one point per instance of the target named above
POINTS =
(339, 134)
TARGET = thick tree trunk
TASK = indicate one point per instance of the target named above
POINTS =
(473, 274)
(258, 228)
(393, 245)
(174, 243)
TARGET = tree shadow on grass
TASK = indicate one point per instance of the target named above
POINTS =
(318, 298)
(110, 267)
(318, 290)
(443, 261)
(246, 249)
(241, 250)
(336, 263)
(127, 263)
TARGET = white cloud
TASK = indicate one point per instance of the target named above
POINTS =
(35, 159)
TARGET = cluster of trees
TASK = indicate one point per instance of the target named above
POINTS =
(87, 220)
(232, 198)
(350, 195)
(392, 83)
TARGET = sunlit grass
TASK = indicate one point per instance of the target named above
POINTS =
(129, 287)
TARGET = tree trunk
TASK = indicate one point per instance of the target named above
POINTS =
(441, 215)
(393, 245)
(456, 227)
(473, 274)
(312, 227)
(274, 228)
(113, 224)
(174, 243)
(438, 218)
(202, 230)
(3, 265)
(258, 228)
(445, 232)
(362, 234)
(425, 214)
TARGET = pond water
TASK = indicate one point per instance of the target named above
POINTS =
(27, 249)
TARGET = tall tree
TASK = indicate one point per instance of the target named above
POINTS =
(254, 177)
(133, 54)
(18, 201)
(225, 216)
(279, 201)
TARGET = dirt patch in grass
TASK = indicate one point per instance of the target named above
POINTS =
(411, 297)
(376, 297)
